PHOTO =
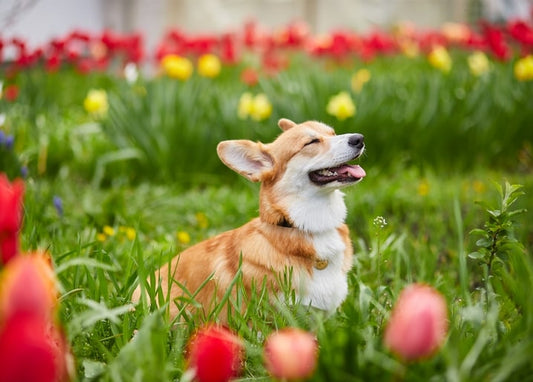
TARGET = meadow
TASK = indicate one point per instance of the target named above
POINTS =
(121, 173)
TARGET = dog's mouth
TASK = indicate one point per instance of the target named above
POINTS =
(345, 173)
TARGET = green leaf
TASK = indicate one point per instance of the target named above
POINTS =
(476, 255)
(144, 357)
(484, 242)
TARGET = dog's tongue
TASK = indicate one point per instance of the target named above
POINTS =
(354, 170)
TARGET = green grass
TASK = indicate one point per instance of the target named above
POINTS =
(426, 239)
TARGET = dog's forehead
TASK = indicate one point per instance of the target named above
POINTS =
(314, 127)
(292, 140)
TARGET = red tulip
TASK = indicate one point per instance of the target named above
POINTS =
(418, 323)
(11, 92)
(27, 285)
(10, 217)
(291, 354)
(33, 350)
(250, 77)
(215, 354)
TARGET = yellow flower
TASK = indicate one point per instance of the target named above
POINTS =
(177, 67)
(96, 102)
(440, 59)
(359, 79)
(109, 231)
(523, 68)
(245, 105)
(209, 65)
(101, 237)
(478, 63)
(183, 237)
(201, 219)
(341, 106)
(258, 108)
(262, 108)
(423, 187)
(128, 232)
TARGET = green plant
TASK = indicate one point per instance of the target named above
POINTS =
(497, 239)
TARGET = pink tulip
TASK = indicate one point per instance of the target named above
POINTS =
(291, 354)
(215, 354)
(418, 323)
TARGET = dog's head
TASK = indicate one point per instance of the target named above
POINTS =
(301, 173)
(310, 154)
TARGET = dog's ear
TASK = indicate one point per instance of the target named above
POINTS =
(248, 158)
(285, 124)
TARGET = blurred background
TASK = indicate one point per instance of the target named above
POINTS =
(38, 21)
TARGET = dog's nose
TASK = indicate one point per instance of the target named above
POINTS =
(356, 140)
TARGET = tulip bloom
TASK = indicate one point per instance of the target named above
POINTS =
(11, 93)
(256, 107)
(177, 67)
(250, 77)
(96, 102)
(10, 217)
(27, 285)
(359, 79)
(523, 69)
(478, 63)
(341, 106)
(418, 323)
(440, 59)
(291, 354)
(215, 354)
(209, 65)
(32, 349)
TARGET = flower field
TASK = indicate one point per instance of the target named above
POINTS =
(109, 168)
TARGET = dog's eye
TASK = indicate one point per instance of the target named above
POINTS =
(316, 140)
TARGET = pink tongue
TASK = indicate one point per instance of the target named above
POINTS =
(354, 170)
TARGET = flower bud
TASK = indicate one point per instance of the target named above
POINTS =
(215, 354)
(291, 354)
(418, 323)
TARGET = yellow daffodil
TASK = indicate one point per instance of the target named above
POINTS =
(341, 106)
(183, 237)
(177, 67)
(96, 103)
(523, 68)
(256, 107)
(478, 63)
(440, 59)
(359, 79)
(209, 65)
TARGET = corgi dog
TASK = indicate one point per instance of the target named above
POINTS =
(300, 224)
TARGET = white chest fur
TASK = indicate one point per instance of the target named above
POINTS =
(326, 289)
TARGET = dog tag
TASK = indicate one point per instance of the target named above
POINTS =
(321, 264)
